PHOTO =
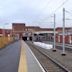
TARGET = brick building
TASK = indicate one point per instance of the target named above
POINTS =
(60, 29)
(68, 35)
(5, 32)
(1, 32)
(18, 29)
(21, 30)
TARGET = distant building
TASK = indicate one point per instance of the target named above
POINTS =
(1, 34)
(8, 32)
(67, 36)
(5, 32)
(18, 29)
(60, 29)
(21, 30)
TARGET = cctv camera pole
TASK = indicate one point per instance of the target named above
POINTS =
(54, 49)
(63, 52)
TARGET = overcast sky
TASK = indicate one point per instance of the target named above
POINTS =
(33, 12)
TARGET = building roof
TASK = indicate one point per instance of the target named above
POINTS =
(60, 29)
(46, 29)
(18, 24)
(39, 32)
(32, 27)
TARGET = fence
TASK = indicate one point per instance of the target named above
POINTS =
(5, 41)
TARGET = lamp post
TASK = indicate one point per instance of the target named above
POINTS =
(63, 51)
(54, 43)
(54, 49)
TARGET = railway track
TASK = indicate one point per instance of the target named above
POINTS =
(48, 63)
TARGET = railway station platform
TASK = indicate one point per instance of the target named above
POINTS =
(28, 61)
(18, 57)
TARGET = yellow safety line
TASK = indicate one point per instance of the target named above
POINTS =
(22, 63)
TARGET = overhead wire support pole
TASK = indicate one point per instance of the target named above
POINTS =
(63, 52)
(54, 49)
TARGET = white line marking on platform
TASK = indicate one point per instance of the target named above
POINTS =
(37, 60)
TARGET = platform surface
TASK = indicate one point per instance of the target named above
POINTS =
(9, 58)
(18, 57)
(33, 64)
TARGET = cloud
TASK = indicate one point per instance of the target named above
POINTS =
(33, 12)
